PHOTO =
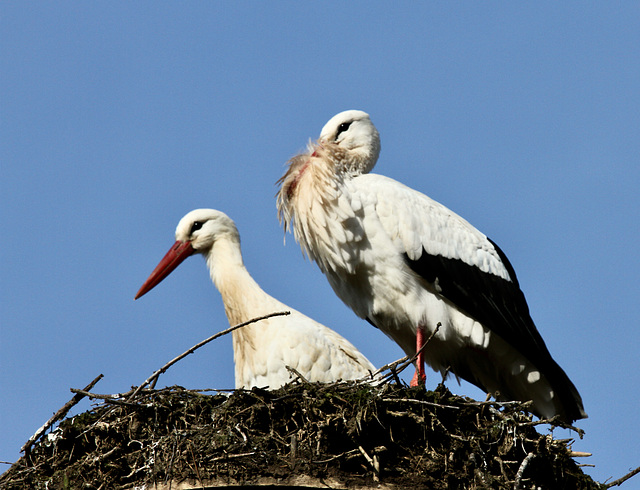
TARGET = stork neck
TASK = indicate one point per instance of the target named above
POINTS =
(242, 296)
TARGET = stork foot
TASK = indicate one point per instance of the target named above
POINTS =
(419, 378)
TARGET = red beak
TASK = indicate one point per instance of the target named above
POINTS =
(174, 257)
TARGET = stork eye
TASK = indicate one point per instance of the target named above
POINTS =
(196, 226)
(342, 128)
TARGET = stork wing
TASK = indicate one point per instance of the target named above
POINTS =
(465, 266)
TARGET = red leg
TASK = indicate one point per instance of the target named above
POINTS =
(419, 378)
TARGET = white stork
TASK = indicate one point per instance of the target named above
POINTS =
(262, 350)
(406, 263)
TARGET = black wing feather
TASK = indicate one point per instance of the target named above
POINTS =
(500, 306)
(495, 302)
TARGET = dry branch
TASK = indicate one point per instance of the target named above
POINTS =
(523, 466)
(154, 377)
(59, 415)
(393, 368)
(620, 481)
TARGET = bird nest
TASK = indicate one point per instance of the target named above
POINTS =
(342, 435)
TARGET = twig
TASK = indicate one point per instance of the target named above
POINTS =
(405, 361)
(579, 454)
(428, 340)
(59, 415)
(154, 377)
(553, 421)
(232, 456)
(373, 462)
(173, 457)
(297, 374)
(100, 397)
(244, 437)
(620, 481)
(195, 464)
(391, 366)
(421, 402)
(113, 399)
(523, 466)
(491, 403)
(337, 456)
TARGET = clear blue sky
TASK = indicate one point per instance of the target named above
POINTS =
(118, 118)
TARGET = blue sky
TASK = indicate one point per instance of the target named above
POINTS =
(119, 118)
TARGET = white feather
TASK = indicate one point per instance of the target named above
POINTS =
(263, 350)
(370, 224)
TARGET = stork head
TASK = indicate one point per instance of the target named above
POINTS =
(202, 227)
(353, 133)
(348, 146)
(196, 232)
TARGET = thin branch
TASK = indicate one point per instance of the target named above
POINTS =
(523, 466)
(100, 397)
(59, 415)
(620, 481)
(406, 360)
(375, 465)
(113, 399)
(154, 377)
(232, 456)
(195, 464)
(391, 366)
(491, 403)
(420, 402)
(297, 374)
(337, 456)
(554, 421)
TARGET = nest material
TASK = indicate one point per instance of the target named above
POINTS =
(342, 435)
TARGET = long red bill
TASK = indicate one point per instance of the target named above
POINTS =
(174, 257)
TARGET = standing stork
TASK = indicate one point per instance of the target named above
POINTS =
(262, 350)
(406, 264)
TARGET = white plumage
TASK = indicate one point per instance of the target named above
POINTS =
(262, 350)
(406, 263)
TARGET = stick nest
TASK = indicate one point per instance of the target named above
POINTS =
(342, 435)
